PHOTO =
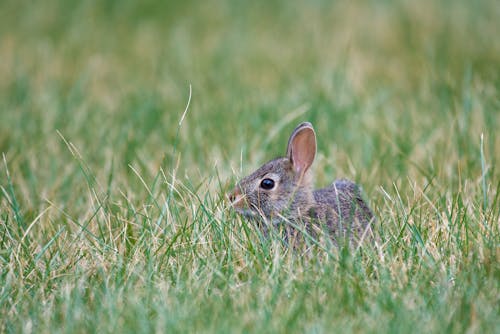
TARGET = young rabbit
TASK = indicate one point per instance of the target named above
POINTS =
(280, 192)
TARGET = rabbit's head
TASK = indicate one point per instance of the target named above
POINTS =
(281, 188)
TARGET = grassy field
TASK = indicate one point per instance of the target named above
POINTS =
(123, 124)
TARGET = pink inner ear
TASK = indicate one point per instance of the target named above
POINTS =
(303, 150)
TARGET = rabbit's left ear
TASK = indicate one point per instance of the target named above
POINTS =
(301, 148)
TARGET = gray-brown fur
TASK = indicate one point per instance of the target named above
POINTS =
(339, 208)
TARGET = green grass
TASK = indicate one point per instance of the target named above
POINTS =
(112, 213)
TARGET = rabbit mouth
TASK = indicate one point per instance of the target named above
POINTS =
(247, 213)
(252, 212)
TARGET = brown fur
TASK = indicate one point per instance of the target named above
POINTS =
(339, 208)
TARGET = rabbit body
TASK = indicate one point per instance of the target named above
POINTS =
(281, 191)
(343, 209)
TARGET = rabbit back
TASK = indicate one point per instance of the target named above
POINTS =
(342, 208)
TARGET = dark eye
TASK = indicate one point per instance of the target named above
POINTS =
(267, 184)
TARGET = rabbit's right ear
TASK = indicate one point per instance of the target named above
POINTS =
(301, 148)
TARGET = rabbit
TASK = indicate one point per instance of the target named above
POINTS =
(280, 192)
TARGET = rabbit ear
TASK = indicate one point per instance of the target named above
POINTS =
(302, 147)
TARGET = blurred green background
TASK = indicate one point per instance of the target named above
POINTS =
(385, 83)
(91, 95)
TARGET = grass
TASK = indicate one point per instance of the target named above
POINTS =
(112, 211)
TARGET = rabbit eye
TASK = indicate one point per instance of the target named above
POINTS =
(267, 184)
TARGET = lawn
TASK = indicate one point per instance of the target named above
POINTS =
(124, 124)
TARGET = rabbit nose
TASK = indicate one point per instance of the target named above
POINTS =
(234, 194)
(236, 197)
